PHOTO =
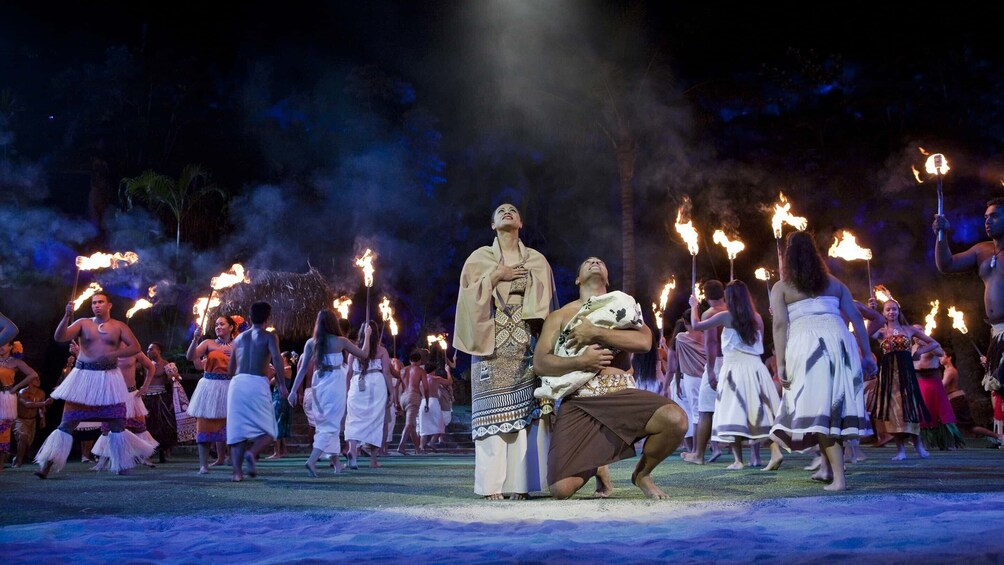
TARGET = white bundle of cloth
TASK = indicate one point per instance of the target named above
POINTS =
(613, 310)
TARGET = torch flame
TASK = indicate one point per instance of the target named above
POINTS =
(664, 297)
(88, 292)
(152, 291)
(916, 174)
(141, 304)
(698, 292)
(658, 315)
(385, 310)
(845, 246)
(101, 260)
(762, 274)
(882, 293)
(686, 230)
(937, 164)
(234, 276)
(366, 264)
(200, 307)
(783, 215)
(931, 320)
(958, 319)
(732, 247)
(393, 326)
(437, 338)
(341, 305)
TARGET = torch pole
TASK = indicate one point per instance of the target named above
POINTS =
(780, 270)
(732, 270)
(367, 306)
(76, 279)
(693, 273)
(941, 207)
(871, 289)
(205, 313)
(978, 352)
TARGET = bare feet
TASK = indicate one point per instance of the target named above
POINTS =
(693, 459)
(900, 455)
(922, 452)
(374, 463)
(735, 466)
(822, 476)
(237, 477)
(218, 462)
(519, 496)
(493, 497)
(716, 452)
(604, 486)
(274, 456)
(755, 460)
(648, 487)
(353, 462)
(336, 464)
(835, 486)
(311, 469)
(774, 464)
(252, 465)
(879, 442)
(203, 470)
(817, 462)
(43, 473)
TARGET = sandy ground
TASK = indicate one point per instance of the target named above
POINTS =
(946, 509)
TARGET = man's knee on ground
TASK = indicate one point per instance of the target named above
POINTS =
(565, 488)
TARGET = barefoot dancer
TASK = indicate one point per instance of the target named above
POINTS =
(327, 349)
(818, 362)
(411, 400)
(10, 366)
(136, 411)
(747, 400)
(600, 422)
(94, 389)
(209, 401)
(707, 395)
(898, 403)
(369, 390)
(250, 416)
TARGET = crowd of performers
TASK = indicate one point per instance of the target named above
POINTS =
(553, 395)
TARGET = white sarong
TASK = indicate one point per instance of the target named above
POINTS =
(249, 409)
(328, 407)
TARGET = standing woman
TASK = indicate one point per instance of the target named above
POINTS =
(368, 397)
(327, 350)
(818, 362)
(10, 365)
(209, 401)
(281, 408)
(898, 402)
(747, 400)
(506, 291)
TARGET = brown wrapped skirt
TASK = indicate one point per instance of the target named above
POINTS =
(592, 431)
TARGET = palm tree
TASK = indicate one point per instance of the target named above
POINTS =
(179, 195)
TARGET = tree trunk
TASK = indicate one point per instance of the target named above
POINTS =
(627, 152)
(177, 239)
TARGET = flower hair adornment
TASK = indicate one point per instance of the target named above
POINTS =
(17, 350)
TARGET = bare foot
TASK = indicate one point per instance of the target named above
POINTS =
(817, 461)
(900, 456)
(237, 477)
(715, 454)
(353, 462)
(336, 464)
(735, 466)
(922, 452)
(882, 441)
(374, 463)
(218, 462)
(755, 460)
(203, 470)
(835, 486)
(774, 464)
(252, 465)
(493, 497)
(648, 487)
(821, 476)
(274, 456)
(519, 496)
(311, 469)
(692, 458)
(604, 486)
(43, 473)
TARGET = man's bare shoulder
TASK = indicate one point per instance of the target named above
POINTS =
(565, 313)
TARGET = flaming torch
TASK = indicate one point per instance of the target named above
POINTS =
(101, 260)
(959, 323)
(341, 305)
(931, 320)
(783, 215)
(366, 264)
(142, 303)
(437, 338)
(226, 279)
(845, 246)
(660, 309)
(732, 247)
(764, 275)
(88, 292)
(881, 293)
(689, 235)
(387, 316)
(937, 165)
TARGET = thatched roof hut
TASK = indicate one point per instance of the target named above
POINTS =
(295, 299)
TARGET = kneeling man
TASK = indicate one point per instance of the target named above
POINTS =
(600, 422)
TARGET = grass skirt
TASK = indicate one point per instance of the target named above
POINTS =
(209, 399)
(93, 388)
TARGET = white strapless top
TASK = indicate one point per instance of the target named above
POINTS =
(820, 305)
(732, 341)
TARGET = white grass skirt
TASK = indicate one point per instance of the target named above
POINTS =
(93, 388)
(210, 399)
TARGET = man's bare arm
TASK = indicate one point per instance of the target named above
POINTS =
(631, 340)
(67, 331)
(545, 362)
(8, 330)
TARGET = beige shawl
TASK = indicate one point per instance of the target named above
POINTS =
(474, 332)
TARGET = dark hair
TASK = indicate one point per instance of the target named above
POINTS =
(740, 305)
(234, 330)
(416, 356)
(803, 265)
(996, 201)
(324, 325)
(685, 317)
(374, 343)
(949, 353)
(260, 311)
(156, 344)
(680, 327)
(108, 297)
(713, 289)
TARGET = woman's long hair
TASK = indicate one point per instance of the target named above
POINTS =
(740, 304)
(803, 265)
(374, 343)
(326, 324)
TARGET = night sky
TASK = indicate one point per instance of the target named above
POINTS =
(334, 125)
